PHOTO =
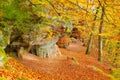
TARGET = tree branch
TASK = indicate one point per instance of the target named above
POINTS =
(77, 5)
(53, 7)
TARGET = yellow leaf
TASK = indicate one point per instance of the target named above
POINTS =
(36, 2)
(0, 32)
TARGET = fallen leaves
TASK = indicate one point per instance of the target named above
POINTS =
(60, 68)
(13, 70)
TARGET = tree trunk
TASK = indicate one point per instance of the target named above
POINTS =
(91, 35)
(88, 45)
(100, 37)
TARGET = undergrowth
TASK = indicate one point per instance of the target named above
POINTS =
(116, 73)
(105, 74)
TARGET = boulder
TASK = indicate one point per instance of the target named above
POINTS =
(49, 49)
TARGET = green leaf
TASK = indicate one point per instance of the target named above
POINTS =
(21, 79)
(2, 52)
(2, 78)
(3, 57)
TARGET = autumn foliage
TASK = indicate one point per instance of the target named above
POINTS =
(96, 23)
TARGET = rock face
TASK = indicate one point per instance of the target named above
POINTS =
(49, 49)
(42, 44)
(45, 48)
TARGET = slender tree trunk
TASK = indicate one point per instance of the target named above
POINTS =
(88, 45)
(100, 47)
(100, 37)
(91, 35)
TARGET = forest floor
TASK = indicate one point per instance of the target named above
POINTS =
(72, 64)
